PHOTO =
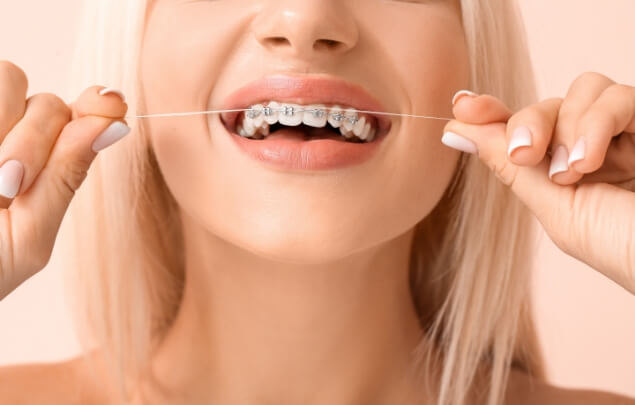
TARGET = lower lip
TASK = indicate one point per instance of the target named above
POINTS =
(317, 154)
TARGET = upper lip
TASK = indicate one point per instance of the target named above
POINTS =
(302, 90)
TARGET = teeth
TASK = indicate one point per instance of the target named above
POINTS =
(350, 118)
(241, 131)
(258, 132)
(271, 113)
(371, 134)
(263, 129)
(249, 127)
(315, 116)
(257, 120)
(336, 116)
(290, 115)
(358, 128)
(365, 132)
(346, 133)
(259, 116)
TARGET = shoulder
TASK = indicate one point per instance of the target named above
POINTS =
(69, 382)
(525, 390)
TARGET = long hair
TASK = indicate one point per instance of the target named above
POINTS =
(470, 259)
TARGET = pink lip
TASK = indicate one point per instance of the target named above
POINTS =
(318, 154)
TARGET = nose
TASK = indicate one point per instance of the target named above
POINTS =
(306, 28)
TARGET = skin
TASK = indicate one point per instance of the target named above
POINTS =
(256, 290)
(586, 210)
(271, 312)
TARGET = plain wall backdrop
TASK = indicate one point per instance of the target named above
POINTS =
(586, 322)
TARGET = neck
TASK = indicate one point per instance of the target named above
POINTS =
(254, 331)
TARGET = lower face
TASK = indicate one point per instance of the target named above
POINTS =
(410, 56)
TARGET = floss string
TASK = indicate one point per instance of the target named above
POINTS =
(181, 114)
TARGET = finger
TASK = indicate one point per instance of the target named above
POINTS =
(619, 165)
(582, 93)
(37, 214)
(530, 130)
(567, 213)
(611, 114)
(479, 109)
(31, 140)
(110, 103)
(13, 88)
(530, 183)
(628, 185)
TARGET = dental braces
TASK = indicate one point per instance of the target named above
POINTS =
(182, 114)
(290, 110)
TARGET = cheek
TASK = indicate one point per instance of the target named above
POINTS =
(426, 171)
(183, 55)
(182, 149)
(434, 67)
(181, 60)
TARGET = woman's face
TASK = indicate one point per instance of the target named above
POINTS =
(410, 56)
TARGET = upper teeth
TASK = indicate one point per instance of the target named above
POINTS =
(259, 117)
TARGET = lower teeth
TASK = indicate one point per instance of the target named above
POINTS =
(259, 137)
(333, 135)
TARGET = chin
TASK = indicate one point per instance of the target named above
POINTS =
(305, 243)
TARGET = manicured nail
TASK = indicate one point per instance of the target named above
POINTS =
(577, 153)
(458, 142)
(11, 174)
(520, 137)
(112, 134)
(110, 90)
(559, 161)
(462, 93)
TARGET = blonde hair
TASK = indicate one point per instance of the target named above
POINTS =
(471, 256)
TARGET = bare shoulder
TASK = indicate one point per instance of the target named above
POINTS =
(525, 390)
(69, 382)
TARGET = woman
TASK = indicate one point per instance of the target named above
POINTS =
(221, 260)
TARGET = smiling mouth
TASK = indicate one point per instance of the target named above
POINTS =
(305, 122)
(305, 108)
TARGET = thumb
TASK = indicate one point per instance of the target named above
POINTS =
(480, 109)
(38, 213)
(531, 184)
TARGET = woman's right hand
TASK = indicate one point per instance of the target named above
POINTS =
(46, 148)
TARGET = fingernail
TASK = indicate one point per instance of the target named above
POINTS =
(458, 142)
(520, 137)
(462, 93)
(559, 161)
(11, 174)
(110, 90)
(578, 151)
(112, 134)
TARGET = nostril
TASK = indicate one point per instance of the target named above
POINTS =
(279, 41)
(327, 43)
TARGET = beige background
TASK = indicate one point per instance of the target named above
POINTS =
(586, 323)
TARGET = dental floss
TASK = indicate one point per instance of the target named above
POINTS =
(249, 109)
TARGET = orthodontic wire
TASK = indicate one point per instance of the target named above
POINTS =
(181, 114)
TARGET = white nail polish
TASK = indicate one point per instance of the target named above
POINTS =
(112, 134)
(559, 161)
(520, 137)
(462, 93)
(11, 174)
(110, 90)
(458, 142)
(578, 151)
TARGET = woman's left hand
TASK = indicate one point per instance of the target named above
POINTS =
(572, 163)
